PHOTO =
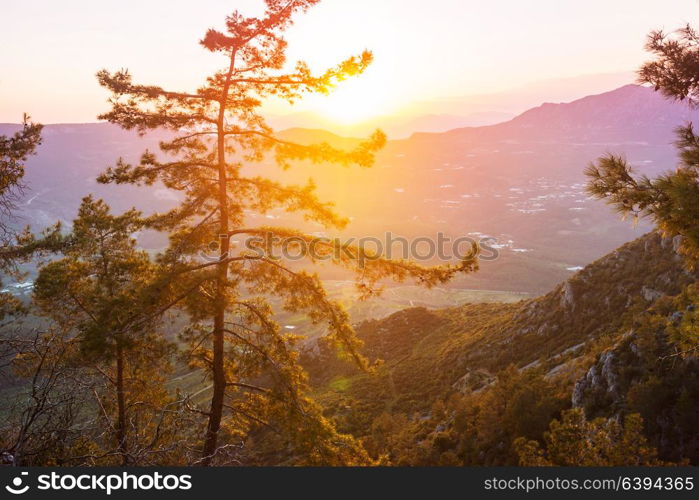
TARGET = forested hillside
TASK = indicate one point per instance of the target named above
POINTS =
(459, 385)
(182, 285)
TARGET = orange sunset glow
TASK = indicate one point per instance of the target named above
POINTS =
(403, 247)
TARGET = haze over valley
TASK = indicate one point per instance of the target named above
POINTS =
(520, 182)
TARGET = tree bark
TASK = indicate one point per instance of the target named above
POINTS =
(122, 445)
(218, 372)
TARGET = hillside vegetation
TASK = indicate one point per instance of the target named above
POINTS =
(460, 385)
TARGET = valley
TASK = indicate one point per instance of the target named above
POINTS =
(558, 295)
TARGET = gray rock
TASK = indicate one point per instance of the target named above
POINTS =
(677, 243)
(568, 295)
(676, 317)
(602, 376)
(650, 294)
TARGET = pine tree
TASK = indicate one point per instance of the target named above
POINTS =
(219, 129)
(105, 290)
(18, 246)
(575, 442)
(14, 152)
(671, 200)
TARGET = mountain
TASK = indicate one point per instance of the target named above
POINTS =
(520, 182)
(397, 126)
(600, 341)
(630, 114)
(66, 166)
(441, 115)
(517, 100)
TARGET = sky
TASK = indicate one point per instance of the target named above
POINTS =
(424, 50)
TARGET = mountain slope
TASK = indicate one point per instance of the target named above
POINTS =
(430, 356)
(631, 113)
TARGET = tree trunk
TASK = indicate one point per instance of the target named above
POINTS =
(121, 407)
(218, 372)
(219, 388)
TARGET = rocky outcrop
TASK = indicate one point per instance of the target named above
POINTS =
(474, 381)
(601, 379)
(643, 269)
(568, 295)
(643, 374)
(677, 244)
(650, 294)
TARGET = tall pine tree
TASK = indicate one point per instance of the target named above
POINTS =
(218, 129)
(105, 291)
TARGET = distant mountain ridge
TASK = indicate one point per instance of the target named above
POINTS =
(519, 181)
(632, 113)
(626, 111)
(398, 126)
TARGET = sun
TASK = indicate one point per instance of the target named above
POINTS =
(354, 101)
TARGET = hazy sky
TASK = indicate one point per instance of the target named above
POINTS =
(424, 49)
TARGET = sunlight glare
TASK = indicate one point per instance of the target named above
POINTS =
(354, 100)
